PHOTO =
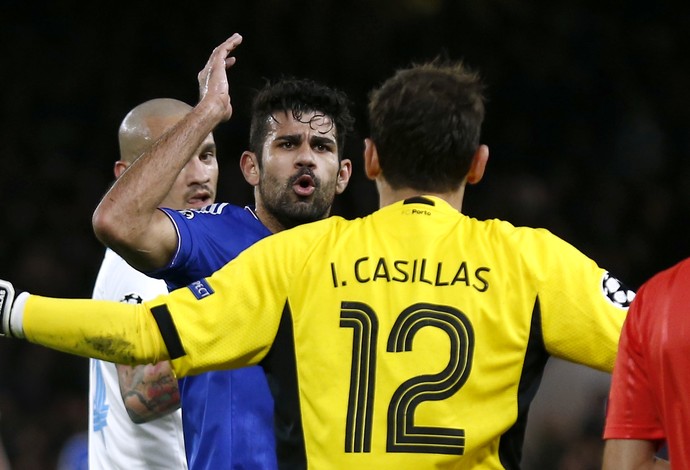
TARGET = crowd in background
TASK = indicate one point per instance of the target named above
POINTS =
(586, 124)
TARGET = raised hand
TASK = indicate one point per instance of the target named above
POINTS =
(213, 79)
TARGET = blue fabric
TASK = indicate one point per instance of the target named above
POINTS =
(74, 454)
(227, 416)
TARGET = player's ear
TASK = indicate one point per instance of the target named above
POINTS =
(120, 167)
(249, 164)
(343, 175)
(478, 165)
(371, 160)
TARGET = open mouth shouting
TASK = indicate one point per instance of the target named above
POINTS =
(304, 185)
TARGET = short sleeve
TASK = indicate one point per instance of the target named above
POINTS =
(631, 413)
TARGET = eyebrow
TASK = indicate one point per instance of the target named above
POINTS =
(289, 138)
(297, 138)
(322, 140)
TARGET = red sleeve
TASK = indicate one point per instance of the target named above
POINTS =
(631, 413)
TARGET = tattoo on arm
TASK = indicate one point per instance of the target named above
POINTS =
(148, 391)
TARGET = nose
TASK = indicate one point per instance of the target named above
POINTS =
(198, 172)
(306, 157)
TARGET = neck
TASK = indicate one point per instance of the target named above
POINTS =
(268, 220)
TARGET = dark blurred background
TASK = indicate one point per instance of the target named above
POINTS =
(586, 123)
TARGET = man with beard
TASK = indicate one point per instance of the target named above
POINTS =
(295, 164)
(412, 338)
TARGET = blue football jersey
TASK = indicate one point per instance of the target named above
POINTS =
(227, 415)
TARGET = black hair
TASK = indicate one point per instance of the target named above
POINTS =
(426, 122)
(298, 97)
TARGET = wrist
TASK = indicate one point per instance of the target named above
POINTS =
(16, 320)
(211, 110)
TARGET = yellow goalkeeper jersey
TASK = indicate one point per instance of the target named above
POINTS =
(413, 338)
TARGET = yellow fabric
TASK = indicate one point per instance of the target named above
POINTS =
(462, 292)
(112, 331)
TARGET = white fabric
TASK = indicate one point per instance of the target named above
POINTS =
(115, 442)
(15, 318)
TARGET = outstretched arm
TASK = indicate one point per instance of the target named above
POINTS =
(632, 454)
(127, 218)
(210, 324)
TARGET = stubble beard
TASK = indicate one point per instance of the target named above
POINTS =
(291, 210)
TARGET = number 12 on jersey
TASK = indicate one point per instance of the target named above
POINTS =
(403, 435)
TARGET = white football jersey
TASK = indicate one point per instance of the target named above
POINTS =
(115, 442)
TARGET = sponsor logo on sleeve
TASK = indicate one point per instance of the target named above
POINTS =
(616, 292)
(213, 209)
(200, 289)
(187, 214)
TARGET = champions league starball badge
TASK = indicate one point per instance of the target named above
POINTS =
(132, 298)
(617, 293)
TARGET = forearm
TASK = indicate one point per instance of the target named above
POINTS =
(632, 454)
(147, 240)
(140, 190)
(119, 332)
(149, 391)
(209, 325)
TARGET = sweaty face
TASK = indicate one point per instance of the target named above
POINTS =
(299, 168)
(195, 186)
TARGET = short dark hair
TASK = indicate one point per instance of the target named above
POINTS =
(426, 122)
(298, 96)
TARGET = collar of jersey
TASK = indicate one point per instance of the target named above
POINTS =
(425, 201)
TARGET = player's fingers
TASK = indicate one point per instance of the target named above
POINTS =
(233, 41)
(231, 44)
(221, 51)
(230, 61)
(228, 46)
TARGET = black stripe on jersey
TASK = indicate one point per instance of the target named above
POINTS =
(419, 200)
(360, 410)
(403, 434)
(280, 365)
(168, 331)
(510, 447)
